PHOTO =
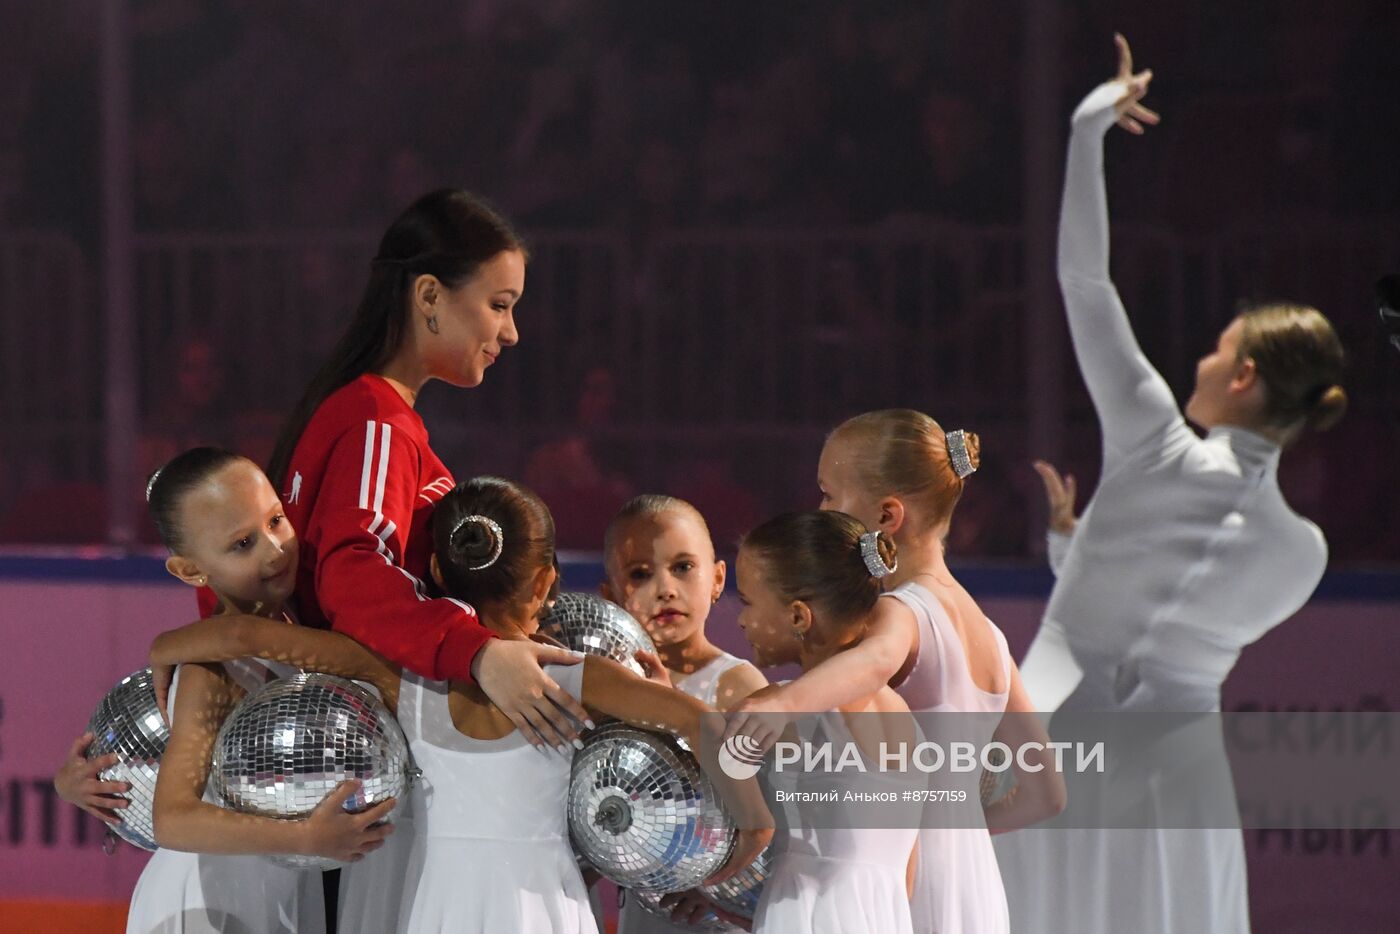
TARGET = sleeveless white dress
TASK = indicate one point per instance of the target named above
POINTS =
(492, 851)
(1186, 553)
(957, 887)
(839, 880)
(703, 685)
(202, 893)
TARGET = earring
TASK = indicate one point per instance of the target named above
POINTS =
(203, 580)
(432, 323)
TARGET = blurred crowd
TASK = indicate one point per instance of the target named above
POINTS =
(636, 116)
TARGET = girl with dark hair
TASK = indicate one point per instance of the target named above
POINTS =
(489, 848)
(809, 583)
(226, 531)
(1187, 553)
(359, 478)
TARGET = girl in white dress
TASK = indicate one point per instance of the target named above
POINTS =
(809, 583)
(1186, 553)
(491, 850)
(897, 470)
(661, 566)
(223, 524)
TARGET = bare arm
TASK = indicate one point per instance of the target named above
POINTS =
(183, 821)
(1039, 792)
(912, 871)
(225, 638)
(891, 638)
(614, 691)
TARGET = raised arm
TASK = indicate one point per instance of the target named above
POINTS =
(890, 639)
(225, 638)
(1130, 396)
(614, 691)
(183, 821)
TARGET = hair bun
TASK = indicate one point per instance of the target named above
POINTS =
(479, 540)
(1330, 406)
(964, 452)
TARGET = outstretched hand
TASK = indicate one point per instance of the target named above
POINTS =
(1131, 113)
(1059, 496)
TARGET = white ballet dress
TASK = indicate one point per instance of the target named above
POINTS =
(1186, 553)
(702, 684)
(493, 848)
(839, 880)
(957, 886)
(203, 893)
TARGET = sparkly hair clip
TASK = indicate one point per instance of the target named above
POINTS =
(151, 483)
(874, 561)
(957, 454)
(497, 537)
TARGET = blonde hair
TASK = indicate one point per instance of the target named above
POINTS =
(1300, 360)
(904, 453)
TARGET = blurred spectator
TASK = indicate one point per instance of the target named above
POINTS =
(572, 472)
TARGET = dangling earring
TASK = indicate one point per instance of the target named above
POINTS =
(432, 323)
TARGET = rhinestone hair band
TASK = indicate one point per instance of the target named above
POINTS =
(497, 536)
(874, 561)
(151, 483)
(957, 454)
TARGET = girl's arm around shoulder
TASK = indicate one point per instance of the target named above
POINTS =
(891, 639)
(184, 821)
(224, 638)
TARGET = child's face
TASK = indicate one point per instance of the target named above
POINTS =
(840, 490)
(766, 620)
(235, 533)
(663, 571)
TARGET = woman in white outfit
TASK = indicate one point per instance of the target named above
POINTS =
(1186, 553)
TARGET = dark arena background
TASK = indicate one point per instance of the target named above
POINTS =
(747, 222)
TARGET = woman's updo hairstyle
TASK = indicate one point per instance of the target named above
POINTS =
(491, 537)
(816, 557)
(1298, 356)
(904, 453)
(448, 233)
(167, 487)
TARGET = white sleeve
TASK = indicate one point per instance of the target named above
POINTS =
(1132, 400)
(1056, 547)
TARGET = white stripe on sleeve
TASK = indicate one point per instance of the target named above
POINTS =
(368, 466)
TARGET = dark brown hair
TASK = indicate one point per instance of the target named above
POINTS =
(815, 557)
(169, 485)
(904, 453)
(447, 233)
(1299, 358)
(527, 539)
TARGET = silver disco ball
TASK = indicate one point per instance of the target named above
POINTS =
(291, 742)
(128, 722)
(643, 813)
(589, 624)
